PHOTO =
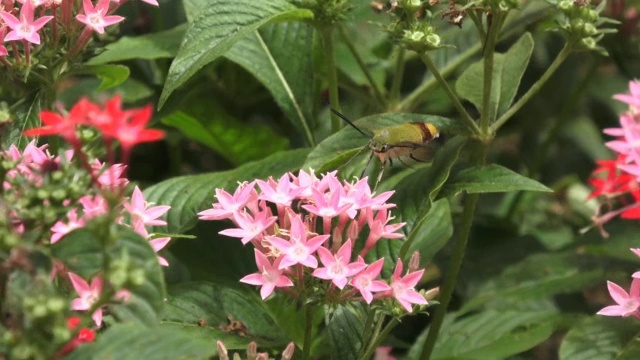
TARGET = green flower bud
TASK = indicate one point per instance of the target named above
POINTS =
(39, 311)
(56, 304)
(433, 40)
(589, 42)
(590, 29)
(565, 5)
(137, 277)
(42, 194)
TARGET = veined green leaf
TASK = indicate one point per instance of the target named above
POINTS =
(220, 25)
(110, 75)
(27, 116)
(491, 178)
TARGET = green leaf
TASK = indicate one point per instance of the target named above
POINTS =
(527, 280)
(81, 252)
(130, 342)
(218, 27)
(508, 69)
(489, 335)
(340, 147)
(211, 125)
(490, 178)
(344, 331)
(27, 116)
(188, 195)
(601, 338)
(279, 56)
(163, 44)
(110, 75)
(206, 309)
(431, 232)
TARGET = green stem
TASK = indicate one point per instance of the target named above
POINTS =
(399, 74)
(379, 335)
(473, 127)
(374, 85)
(453, 270)
(487, 115)
(306, 345)
(560, 58)
(332, 76)
(477, 22)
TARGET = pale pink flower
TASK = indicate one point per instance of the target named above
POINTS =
(61, 228)
(228, 205)
(110, 177)
(25, 28)
(380, 229)
(96, 17)
(282, 193)
(628, 303)
(250, 228)
(88, 295)
(269, 276)
(403, 288)
(365, 281)
(632, 99)
(326, 205)
(306, 181)
(383, 353)
(151, 2)
(93, 206)
(298, 250)
(157, 245)
(141, 214)
(338, 267)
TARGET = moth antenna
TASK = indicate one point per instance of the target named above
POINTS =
(349, 122)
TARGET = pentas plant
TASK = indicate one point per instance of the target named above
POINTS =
(312, 239)
(617, 183)
(46, 198)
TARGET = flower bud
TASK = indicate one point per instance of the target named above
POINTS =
(287, 354)
(222, 351)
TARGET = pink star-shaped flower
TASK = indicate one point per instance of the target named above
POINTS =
(269, 276)
(404, 287)
(338, 267)
(282, 193)
(366, 282)
(250, 227)
(326, 205)
(298, 250)
(141, 214)
(25, 28)
(157, 245)
(628, 303)
(88, 294)
(60, 228)
(632, 99)
(228, 204)
(96, 17)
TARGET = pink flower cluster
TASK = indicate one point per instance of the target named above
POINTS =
(136, 213)
(312, 234)
(20, 25)
(620, 187)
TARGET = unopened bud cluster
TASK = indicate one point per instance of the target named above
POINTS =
(413, 28)
(582, 24)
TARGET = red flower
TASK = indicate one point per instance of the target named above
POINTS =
(56, 124)
(615, 181)
(85, 335)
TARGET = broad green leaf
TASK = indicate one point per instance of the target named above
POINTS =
(432, 232)
(279, 56)
(415, 193)
(188, 195)
(211, 125)
(601, 338)
(335, 150)
(163, 44)
(508, 69)
(206, 309)
(344, 332)
(490, 178)
(26, 115)
(130, 342)
(488, 335)
(538, 276)
(131, 91)
(81, 252)
(109, 75)
(623, 235)
(217, 28)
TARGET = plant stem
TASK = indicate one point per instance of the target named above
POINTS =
(306, 345)
(453, 270)
(379, 336)
(473, 127)
(332, 76)
(560, 58)
(376, 89)
(397, 77)
(489, 44)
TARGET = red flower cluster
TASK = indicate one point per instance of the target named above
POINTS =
(114, 123)
(85, 335)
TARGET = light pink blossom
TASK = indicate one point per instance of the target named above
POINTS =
(26, 28)
(298, 250)
(627, 303)
(269, 276)
(282, 193)
(228, 205)
(157, 245)
(250, 228)
(87, 295)
(338, 268)
(403, 288)
(142, 214)
(61, 228)
(96, 17)
(366, 282)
